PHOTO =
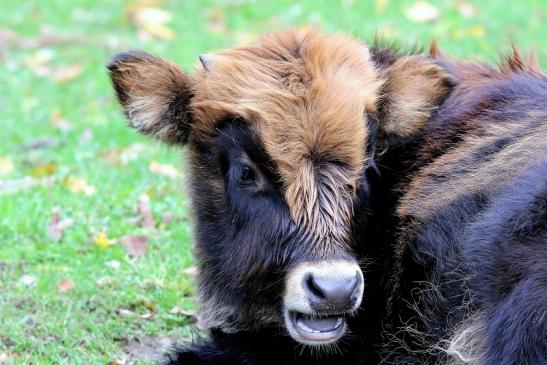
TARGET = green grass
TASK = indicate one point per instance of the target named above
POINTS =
(39, 323)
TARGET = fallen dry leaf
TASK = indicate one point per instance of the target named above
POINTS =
(465, 9)
(380, 5)
(148, 315)
(44, 169)
(476, 31)
(117, 362)
(151, 20)
(25, 183)
(191, 271)
(57, 226)
(65, 285)
(184, 312)
(114, 264)
(6, 166)
(167, 217)
(104, 281)
(164, 169)
(421, 12)
(148, 348)
(79, 186)
(87, 135)
(39, 61)
(243, 39)
(135, 245)
(145, 214)
(41, 142)
(47, 37)
(67, 73)
(122, 156)
(125, 313)
(216, 22)
(58, 121)
(151, 284)
(28, 280)
(103, 241)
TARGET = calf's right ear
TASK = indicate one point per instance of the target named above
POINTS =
(414, 87)
(154, 93)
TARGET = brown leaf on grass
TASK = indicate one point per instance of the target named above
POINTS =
(39, 62)
(148, 316)
(65, 285)
(57, 226)
(380, 5)
(150, 19)
(117, 362)
(243, 39)
(67, 73)
(114, 264)
(145, 214)
(135, 245)
(104, 281)
(102, 240)
(40, 143)
(191, 271)
(167, 217)
(185, 312)
(86, 136)
(6, 166)
(28, 280)
(147, 348)
(151, 284)
(44, 169)
(25, 183)
(122, 156)
(58, 121)
(465, 9)
(164, 169)
(7, 358)
(422, 12)
(125, 313)
(47, 37)
(79, 186)
(215, 19)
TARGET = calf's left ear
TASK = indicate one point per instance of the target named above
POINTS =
(413, 87)
(154, 93)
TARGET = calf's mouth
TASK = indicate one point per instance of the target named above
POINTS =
(318, 298)
(315, 329)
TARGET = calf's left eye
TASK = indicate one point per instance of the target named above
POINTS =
(246, 175)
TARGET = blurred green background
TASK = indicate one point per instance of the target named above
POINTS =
(95, 233)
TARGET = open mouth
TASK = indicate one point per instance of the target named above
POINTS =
(316, 329)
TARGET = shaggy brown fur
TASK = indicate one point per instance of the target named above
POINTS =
(306, 96)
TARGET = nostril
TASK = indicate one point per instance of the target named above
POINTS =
(313, 288)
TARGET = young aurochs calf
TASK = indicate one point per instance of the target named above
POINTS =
(280, 136)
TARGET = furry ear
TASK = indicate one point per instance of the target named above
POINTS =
(414, 86)
(155, 95)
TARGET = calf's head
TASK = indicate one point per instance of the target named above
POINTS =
(278, 138)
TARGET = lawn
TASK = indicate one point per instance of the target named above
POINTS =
(95, 226)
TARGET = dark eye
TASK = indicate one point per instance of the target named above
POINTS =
(246, 175)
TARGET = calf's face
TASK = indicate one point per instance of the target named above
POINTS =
(277, 137)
